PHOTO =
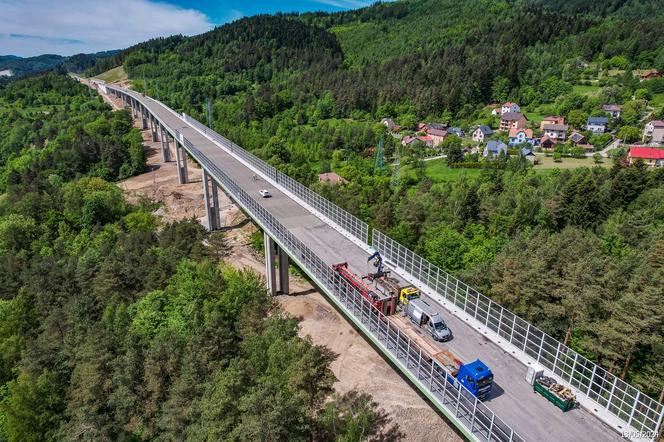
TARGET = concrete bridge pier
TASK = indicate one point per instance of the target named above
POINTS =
(165, 149)
(144, 117)
(211, 199)
(270, 274)
(181, 162)
(272, 251)
(283, 272)
(153, 128)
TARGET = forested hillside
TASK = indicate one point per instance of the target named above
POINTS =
(577, 252)
(21, 67)
(116, 326)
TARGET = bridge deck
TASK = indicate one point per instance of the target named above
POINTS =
(513, 399)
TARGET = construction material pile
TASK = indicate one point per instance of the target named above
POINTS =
(559, 390)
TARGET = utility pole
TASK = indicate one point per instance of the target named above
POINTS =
(394, 181)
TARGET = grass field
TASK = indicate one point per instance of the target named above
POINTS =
(547, 163)
(437, 170)
(583, 89)
(534, 118)
(113, 75)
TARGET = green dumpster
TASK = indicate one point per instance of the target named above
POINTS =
(563, 404)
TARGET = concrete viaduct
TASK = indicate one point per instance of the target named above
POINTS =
(314, 233)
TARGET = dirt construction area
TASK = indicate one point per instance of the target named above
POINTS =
(358, 366)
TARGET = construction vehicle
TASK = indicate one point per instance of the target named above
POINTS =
(561, 396)
(427, 318)
(389, 285)
(475, 376)
(386, 303)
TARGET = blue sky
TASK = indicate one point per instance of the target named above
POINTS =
(66, 27)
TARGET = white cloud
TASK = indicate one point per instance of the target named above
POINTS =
(32, 27)
(346, 4)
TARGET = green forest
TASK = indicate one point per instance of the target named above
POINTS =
(117, 326)
(577, 252)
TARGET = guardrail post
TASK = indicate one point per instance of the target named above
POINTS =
(525, 338)
(539, 352)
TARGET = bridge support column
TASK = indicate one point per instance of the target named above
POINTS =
(211, 204)
(270, 275)
(165, 151)
(153, 127)
(283, 272)
(181, 163)
(144, 117)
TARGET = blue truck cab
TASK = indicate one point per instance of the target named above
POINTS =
(477, 378)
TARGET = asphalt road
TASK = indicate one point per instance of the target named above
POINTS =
(513, 399)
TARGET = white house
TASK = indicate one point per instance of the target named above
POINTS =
(509, 107)
(518, 136)
(481, 132)
(557, 132)
(654, 131)
(597, 125)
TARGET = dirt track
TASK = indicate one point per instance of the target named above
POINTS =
(358, 365)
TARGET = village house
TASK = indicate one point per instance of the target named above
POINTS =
(551, 120)
(509, 107)
(546, 143)
(518, 136)
(439, 126)
(388, 122)
(557, 132)
(654, 131)
(456, 131)
(646, 74)
(577, 138)
(494, 148)
(612, 109)
(331, 177)
(651, 156)
(426, 139)
(481, 132)
(512, 120)
(597, 125)
(437, 136)
(408, 140)
(529, 155)
(422, 127)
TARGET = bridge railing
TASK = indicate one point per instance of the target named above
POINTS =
(353, 225)
(475, 417)
(618, 398)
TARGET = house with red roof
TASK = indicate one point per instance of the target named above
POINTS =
(426, 139)
(651, 156)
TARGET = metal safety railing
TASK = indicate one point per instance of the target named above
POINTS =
(475, 418)
(353, 225)
(617, 397)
